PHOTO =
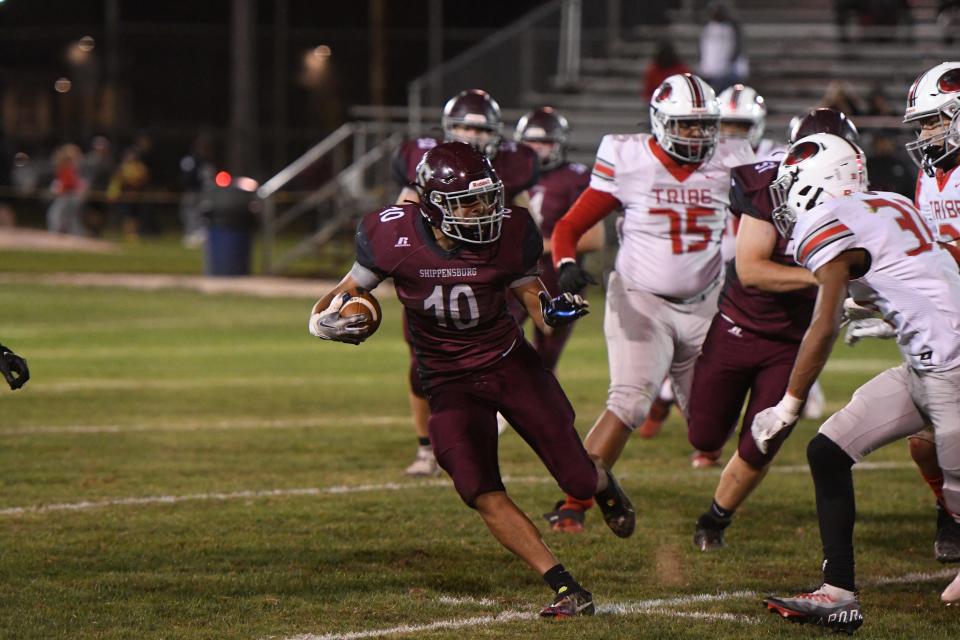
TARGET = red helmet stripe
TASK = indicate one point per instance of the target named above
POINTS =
(694, 90)
(735, 96)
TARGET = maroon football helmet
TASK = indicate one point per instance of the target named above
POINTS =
(546, 125)
(822, 120)
(460, 193)
(473, 108)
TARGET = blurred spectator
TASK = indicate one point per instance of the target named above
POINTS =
(129, 181)
(877, 103)
(97, 169)
(841, 96)
(886, 169)
(197, 173)
(886, 16)
(843, 11)
(68, 189)
(722, 63)
(664, 64)
(948, 17)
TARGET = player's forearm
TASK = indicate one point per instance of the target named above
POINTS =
(811, 359)
(529, 296)
(768, 275)
(590, 208)
(346, 283)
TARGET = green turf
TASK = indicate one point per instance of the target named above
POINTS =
(138, 394)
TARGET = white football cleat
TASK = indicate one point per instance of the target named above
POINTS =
(816, 403)
(425, 464)
(502, 424)
(951, 595)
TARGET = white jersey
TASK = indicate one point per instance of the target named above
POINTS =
(770, 150)
(674, 214)
(913, 281)
(938, 199)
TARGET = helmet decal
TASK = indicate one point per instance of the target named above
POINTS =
(801, 152)
(664, 93)
(950, 81)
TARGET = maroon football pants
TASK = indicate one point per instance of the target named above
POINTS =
(548, 347)
(463, 426)
(733, 363)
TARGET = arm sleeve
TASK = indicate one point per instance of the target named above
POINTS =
(740, 202)
(603, 177)
(822, 241)
(534, 170)
(590, 208)
(531, 250)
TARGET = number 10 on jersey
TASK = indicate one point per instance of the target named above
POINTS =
(459, 308)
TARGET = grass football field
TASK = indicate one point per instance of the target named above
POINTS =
(192, 466)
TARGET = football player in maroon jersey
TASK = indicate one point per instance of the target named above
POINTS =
(473, 117)
(765, 308)
(546, 131)
(454, 257)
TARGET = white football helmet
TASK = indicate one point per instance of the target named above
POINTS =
(742, 104)
(935, 95)
(685, 100)
(816, 169)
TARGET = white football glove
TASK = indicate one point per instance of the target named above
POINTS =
(330, 325)
(852, 310)
(771, 421)
(868, 328)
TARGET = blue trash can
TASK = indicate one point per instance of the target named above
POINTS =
(231, 223)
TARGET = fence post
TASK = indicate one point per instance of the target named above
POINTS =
(414, 107)
(568, 65)
(266, 251)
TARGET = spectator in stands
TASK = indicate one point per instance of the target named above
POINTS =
(948, 17)
(664, 64)
(129, 181)
(877, 103)
(841, 96)
(97, 169)
(197, 174)
(68, 189)
(722, 63)
(887, 171)
(886, 16)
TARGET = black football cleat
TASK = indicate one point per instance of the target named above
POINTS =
(568, 605)
(617, 509)
(819, 609)
(946, 546)
(708, 534)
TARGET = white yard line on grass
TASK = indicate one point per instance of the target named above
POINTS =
(213, 425)
(87, 505)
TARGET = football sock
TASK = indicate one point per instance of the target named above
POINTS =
(424, 441)
(574, 503)
(719, 513)
(836, 509)
(560, 580)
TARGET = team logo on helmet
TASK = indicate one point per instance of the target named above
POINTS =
(666, 89)
(801, 152)
(950, 81)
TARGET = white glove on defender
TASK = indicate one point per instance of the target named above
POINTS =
(852, 310)
(869, 328)
(769, 422)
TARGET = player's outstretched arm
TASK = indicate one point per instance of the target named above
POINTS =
(756, 241)
(326, 322)
(547, 312)
(833, 278)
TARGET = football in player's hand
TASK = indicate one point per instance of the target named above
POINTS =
(363, 303)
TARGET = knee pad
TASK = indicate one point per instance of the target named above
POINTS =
(630, 405)
(824, 454)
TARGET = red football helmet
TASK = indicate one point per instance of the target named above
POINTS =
(822, 120)
(546, 124)
(460, 193)
(475, 109)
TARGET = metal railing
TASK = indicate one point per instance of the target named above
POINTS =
(539, 52)
(356, 159)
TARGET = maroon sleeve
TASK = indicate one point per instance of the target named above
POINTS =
(532, 248)
(517, 166)
(750, 190)
(404, 166)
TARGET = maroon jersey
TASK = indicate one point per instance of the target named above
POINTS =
(550, 198)
(780, 316)
(516, 164)
(455, 301)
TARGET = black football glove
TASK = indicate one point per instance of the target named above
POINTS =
(573, 279)
(14, 368)
(330, 325)
(563, 309)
